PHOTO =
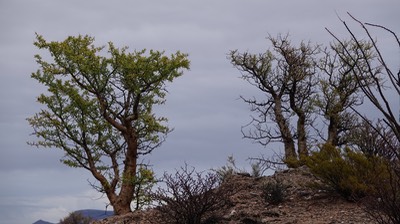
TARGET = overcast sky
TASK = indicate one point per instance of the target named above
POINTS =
(203, 105)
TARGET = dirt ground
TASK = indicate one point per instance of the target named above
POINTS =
(303, 201)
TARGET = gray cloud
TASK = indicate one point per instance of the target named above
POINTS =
(202, 106)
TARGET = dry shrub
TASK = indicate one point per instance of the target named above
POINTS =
(76, 218)
(383, 204)
(190, 197)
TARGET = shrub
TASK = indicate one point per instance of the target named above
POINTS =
(352, 174)
(228, 170)
(374, 178)
(383, 204)
(274, 192)
(76, 218)
(258, 167)
(380, 140)
(190, 197)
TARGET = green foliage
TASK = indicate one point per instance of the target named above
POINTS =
(293, 162)
(99, 107)
(92, 97)
(348, 172)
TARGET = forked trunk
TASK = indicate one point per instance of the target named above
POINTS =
(121, 206)
(122, 202)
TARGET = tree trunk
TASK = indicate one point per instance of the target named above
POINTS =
(302, 137)
(121, 206)
(333, 131)
(287, 138)
(122, 202)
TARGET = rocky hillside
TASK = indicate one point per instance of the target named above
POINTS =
(303, 200)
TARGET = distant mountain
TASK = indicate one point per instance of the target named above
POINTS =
(42, 222)
(92, 213)
(96, 214)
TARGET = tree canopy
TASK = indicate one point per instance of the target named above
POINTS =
(99, 108)
(301, 84)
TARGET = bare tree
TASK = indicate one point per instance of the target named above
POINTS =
(378, 72)
(386, 198)
(286, 77)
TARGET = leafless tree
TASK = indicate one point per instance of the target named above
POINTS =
(378, 72)
(286, 77)
(386, 197)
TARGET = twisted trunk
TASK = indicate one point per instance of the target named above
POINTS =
(122, 202)
(287, 138)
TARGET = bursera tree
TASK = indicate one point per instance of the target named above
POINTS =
(98, 109)
(286, 77)
(339, 91)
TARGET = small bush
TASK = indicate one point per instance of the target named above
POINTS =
(384, 210)
(190, 197)
(76, 218)
(274, 192)
(381, 141)
(383, 204)
(228, 170)
(258, 167)
(351, 174)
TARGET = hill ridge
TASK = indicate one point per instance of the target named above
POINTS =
(303, 202)
(96, 214)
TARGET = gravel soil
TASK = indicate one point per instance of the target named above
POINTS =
(300, 198)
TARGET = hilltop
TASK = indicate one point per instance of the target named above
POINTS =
(304, 200)
(92, 213)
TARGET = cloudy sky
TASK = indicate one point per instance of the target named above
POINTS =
(202, 106)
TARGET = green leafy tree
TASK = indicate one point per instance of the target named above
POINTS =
(99, 108)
